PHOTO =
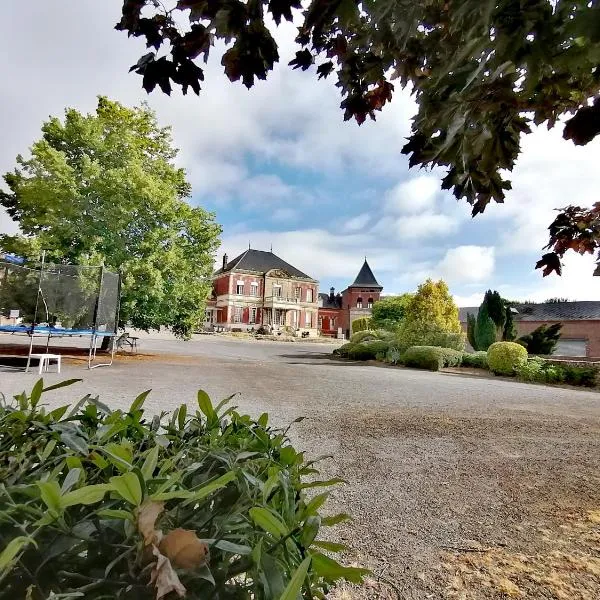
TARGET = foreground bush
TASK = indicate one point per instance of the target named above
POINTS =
(368, 350)
(475, 359)
(505, 357)
(407, 337)
(344, 350)
(97, 503)
(361, 324)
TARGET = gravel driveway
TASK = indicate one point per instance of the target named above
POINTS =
(460, 487)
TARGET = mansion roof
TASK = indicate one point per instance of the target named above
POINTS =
(259, 261)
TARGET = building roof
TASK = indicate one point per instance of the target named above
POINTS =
(365, 278)
(328, 302)
(259, 261)
(548, 311)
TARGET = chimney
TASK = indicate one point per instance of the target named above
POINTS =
(224, 260)
(331, 294)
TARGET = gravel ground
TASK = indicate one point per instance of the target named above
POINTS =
(460, 487)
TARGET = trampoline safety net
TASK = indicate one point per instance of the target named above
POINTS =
(67, 297)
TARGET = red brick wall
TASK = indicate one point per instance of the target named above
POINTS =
(351, 295)
(326, 315)
(221, 285)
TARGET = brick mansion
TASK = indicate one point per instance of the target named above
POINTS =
(258, 288)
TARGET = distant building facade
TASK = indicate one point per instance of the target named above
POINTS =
(580, 333)
(259, 289)
(336, 312)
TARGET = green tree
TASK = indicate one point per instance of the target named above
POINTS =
(496, 307)
(432, 308)
(471, 328)
(482, 72)
(388, 312)
(485, 329)
(542, 340)
(102, 189)
(510, 330)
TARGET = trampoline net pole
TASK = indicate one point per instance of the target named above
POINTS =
(37, 302)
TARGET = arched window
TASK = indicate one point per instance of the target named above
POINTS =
(370, 303)
(359, 303)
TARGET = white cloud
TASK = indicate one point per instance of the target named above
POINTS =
(284, 214)
(356, 223)
(413, 196)
(412, 227)
(465, 264)
(470, 300)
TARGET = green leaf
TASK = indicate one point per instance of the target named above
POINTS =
(61, 384)
(233, 548)
(70, 480)
(206, 406)
(310, 530)
(14, 547)
(266, 520)
(75, 442)
(119, 455)
(50, 494)
(48, 450)
(57, 413)
(320, 483)
(150, 463)
(181, 417)
(99, 460)
(128, 486)
(36, 393)
(224, 402)
(89, 494)
(332, 570)
(110, 513)
(139, 401)
(263, 420)
(270, 485)
(209, 488)
(313, 506)
(287, 455)
(292, 589)
(335, 519)
(331, 546)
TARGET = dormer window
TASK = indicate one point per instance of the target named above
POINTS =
(359, 303)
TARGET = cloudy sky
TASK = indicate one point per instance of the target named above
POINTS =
(280, 167)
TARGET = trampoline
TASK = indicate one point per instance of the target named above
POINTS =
(60, 301)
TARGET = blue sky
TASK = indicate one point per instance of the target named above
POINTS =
(280, 167)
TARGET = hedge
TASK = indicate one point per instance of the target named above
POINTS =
(505, 357)
(368, 350)
(475, 359)
(113, 504)
(424, 357)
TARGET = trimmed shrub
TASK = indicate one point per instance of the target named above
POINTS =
(375, 334)
(86, 493)
(424, 357)
(368, 350)
(475, 359)
(408, 337)
(505, 357)
(344, 350)
(452, 358)
(361, 324)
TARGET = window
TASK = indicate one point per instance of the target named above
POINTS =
(237, 314)
(240, 288)
(276, 290)
(298, 293)
(254, 288)
(252, 315)
(370, 303)
(308, 319)
(208, 316)
(320, 322)
(359, 303)
(309, 295)
(332, 323)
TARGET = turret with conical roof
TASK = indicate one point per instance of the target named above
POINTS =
(365, 278)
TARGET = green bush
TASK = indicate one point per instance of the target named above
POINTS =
(368, 350)
(361, 324)
(452, 358)
(86, 493)
(375, 334)
(424, 357)
(504, 357)
(585, 376)
(475, 359)
(393, 355)
(344, 350)
(408, 337)
(531, 370)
